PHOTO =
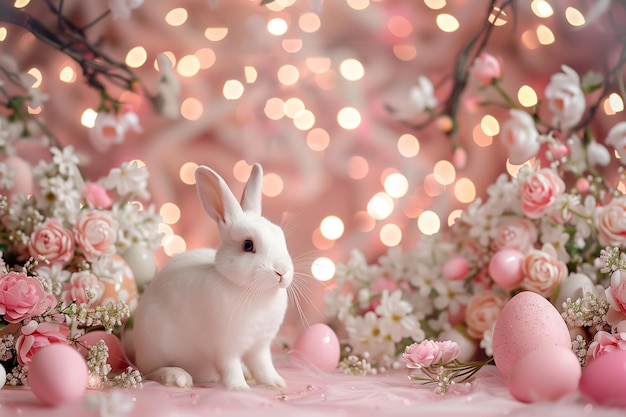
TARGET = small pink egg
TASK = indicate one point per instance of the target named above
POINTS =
(604, 379)
(548, 373)
(505, 268)
(526, 322)
(23, 179)
(116, 355)
(58, 373)
(318, 345)
(455, 269)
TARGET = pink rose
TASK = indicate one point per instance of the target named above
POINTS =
(617, 139)
(482, 312)
(486, 68)
(565, 98)
(539, 192)
(604, 342)
(611, 222)
(76, 289)
(95, 233)
(97, 196)
(22, 297)
(543, 272)
(36, 336)
(52, 241)
(616, 296)
(519, 233)
(430, 352)
(520, 137)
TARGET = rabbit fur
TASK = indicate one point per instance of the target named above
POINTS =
(210, 314)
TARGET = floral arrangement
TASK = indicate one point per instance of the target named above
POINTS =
(69, 246)
(556, 227)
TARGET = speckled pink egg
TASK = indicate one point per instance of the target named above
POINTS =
(604, 379)
(526, 322)
(57, 374)
(547, 373)
(318, 345)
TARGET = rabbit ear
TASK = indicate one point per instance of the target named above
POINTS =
(216, 198)
(251, 198)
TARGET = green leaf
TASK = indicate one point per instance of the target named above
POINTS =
(264, 2)
(591, 81)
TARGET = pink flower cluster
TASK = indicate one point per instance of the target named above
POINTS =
(23, 297)
(430, 352)
(94, 233)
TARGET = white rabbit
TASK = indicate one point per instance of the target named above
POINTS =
(209, 314)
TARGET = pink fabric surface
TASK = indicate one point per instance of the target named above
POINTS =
(309, 394)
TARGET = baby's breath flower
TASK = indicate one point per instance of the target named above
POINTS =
(354, 365)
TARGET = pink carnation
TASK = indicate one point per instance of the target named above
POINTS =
(36, 336)
(430, 352)
(604, 342)
(95, 233)
(52, 241)
(539, 192)
(22, 297)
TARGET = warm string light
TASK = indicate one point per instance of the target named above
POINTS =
(326, 73)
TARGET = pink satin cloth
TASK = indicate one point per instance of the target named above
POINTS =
(309, 393)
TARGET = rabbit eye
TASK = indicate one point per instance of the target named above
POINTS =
(248, 246)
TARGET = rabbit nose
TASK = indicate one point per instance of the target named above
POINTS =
(283, 282)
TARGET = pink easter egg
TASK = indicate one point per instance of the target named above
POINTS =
(604, 379)
(57, 374)
(547, 373)
(319, 346)
(116, 354)
(455, 269)
(505, 268)
(526, 322)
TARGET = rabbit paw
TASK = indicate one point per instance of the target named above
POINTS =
(274, 381)
(172, 377)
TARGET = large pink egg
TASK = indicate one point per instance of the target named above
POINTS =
(116, 354)
(604, 379)
(505, 268)
(318, 345)
(526, 322)
(58, 373)
(547, 373)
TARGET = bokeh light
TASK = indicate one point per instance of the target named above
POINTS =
(428, 222)
(444, 172)
(465, 190)
(351, 69)
(349, 118)
(277, 26)
(380, 206)
(170, 213)
(187, 173)
(176, 17)
(191, 108)
(233, 89)
(332, 227)
(396, 185)
(358, 167)
(323, 269)
(408, 145)
(317, 139)
(272, 184)
(447, 23)
(136, 57)
(390, 235)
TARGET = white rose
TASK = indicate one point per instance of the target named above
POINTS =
(565, 98)
(617, 139)
(520, 137)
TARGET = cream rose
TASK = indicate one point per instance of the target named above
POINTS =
(520, 234)
(539, 191)
(482, 312)
(95, 233)
(52, 241)
(543, 271)
(611, 222)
